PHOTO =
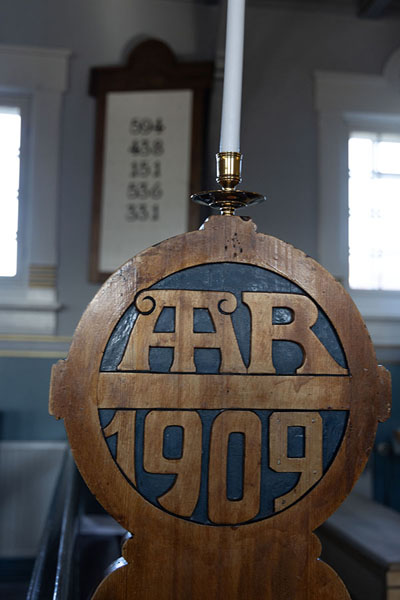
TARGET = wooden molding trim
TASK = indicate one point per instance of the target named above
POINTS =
(42, 276)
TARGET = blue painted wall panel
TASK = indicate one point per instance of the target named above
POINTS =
(24, 397)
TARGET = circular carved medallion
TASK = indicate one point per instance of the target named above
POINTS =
(221, 381)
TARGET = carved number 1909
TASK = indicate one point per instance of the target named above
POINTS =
(182, 497)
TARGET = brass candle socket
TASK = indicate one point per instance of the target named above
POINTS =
(229, 169)
(229, 175)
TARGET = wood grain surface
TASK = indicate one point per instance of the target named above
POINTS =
(221, 398)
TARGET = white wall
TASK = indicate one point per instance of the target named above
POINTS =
(98, 32)
(283, 49)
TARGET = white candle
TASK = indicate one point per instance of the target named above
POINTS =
(233, 74)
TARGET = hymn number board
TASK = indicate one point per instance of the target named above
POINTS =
(148, 155)
(221, 410)
(146, 176)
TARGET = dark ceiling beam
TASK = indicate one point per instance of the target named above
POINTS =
(373, 9)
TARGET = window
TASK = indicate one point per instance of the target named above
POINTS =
(10, 142)
(359, 194)
(32, 82)
(10, 155)
(374, 211)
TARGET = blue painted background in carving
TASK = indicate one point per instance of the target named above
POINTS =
(287, 356)
(273, 485)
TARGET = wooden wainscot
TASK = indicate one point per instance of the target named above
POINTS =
(221, 398)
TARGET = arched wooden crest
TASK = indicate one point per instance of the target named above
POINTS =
(221, 397)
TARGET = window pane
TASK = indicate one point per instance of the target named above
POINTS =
(374, 215)
(388, 157)
(360, 156)
(10, 142)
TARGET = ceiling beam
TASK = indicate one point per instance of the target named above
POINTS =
(373, 9)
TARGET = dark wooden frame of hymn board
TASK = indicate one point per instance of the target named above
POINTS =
(150, 66)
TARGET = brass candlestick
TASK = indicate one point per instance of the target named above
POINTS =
(229, 175)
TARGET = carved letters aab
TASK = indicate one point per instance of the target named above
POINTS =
(183, 339)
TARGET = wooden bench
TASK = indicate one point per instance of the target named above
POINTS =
(361, 541)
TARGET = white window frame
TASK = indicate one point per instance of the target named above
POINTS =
(36, 77)
(347, 102)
